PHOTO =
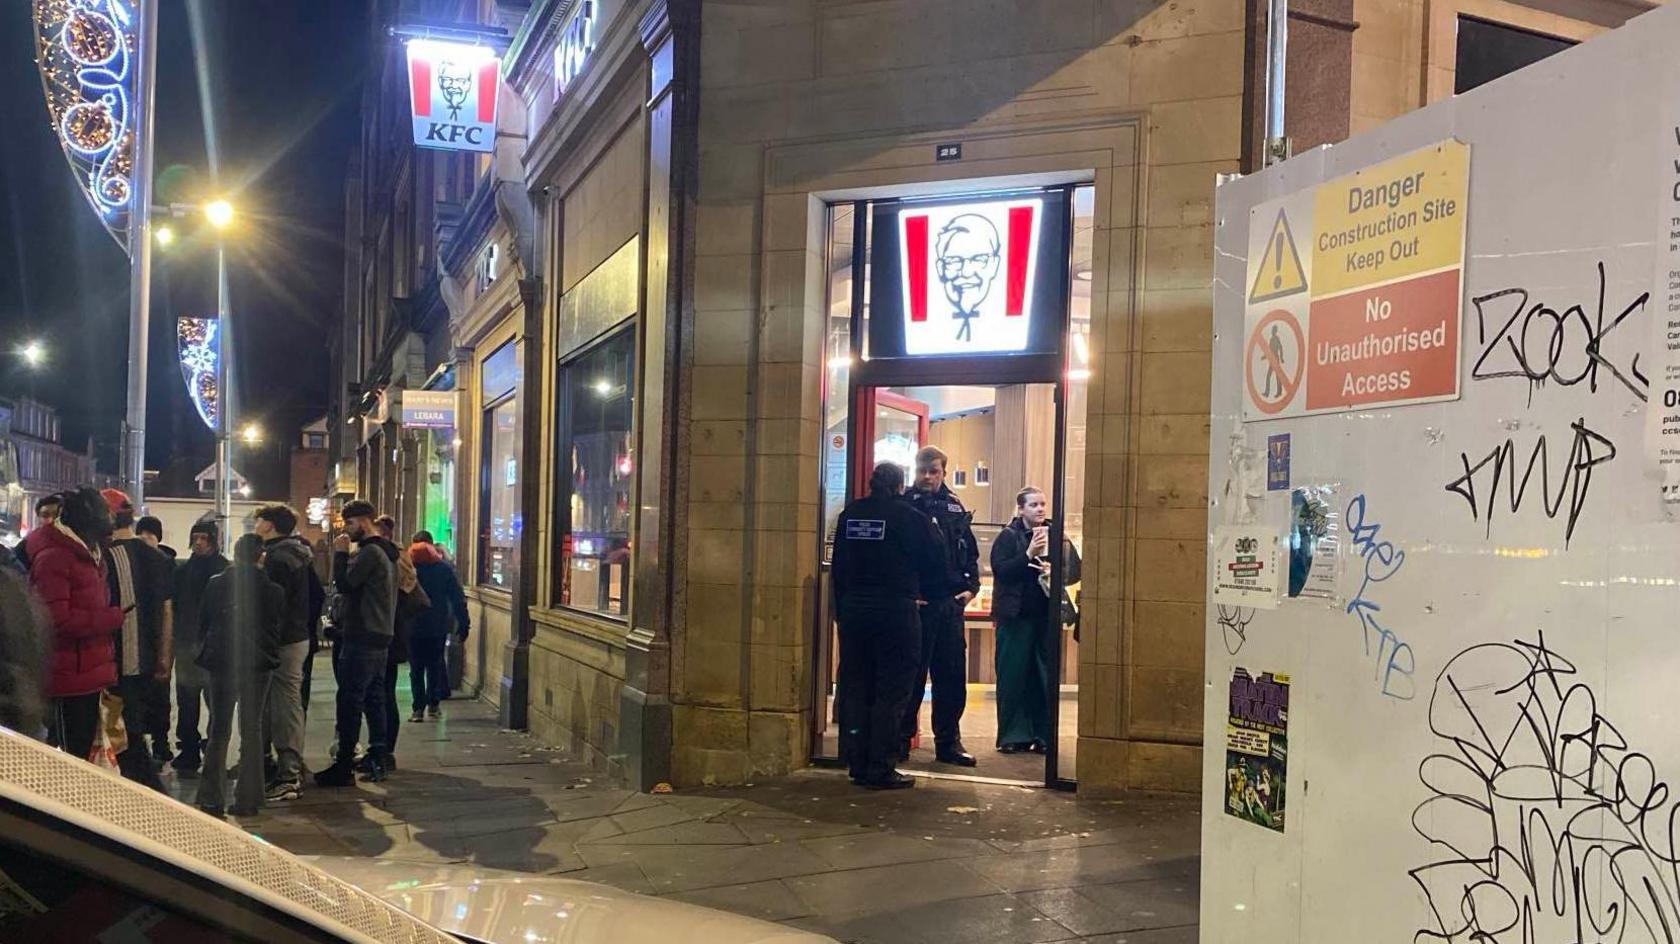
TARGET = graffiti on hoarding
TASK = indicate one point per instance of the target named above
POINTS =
(1586, 450)
(1395, 662)
(1543, 823)
(1539, 343)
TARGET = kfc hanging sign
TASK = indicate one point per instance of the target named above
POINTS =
(453, 89)
(953, 279)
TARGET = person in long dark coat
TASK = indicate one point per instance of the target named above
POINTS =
(1028, 624)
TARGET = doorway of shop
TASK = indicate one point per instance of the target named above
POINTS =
(1004, 421)
(1020, 692)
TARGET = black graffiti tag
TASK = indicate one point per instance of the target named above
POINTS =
(1543, 824)
(1538, 343)
(1587, 450)
(1233, 621)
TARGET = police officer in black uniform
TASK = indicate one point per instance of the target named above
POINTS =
(944, 640)
(884, 553)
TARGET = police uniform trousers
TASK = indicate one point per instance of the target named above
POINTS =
(880, 651)
(945, 658)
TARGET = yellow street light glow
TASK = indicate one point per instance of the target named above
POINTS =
(164, 235)
(219, 213)
(252, 434)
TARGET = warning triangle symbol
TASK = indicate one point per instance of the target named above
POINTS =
(1278, 272)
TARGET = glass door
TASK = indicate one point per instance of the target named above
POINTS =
(1004, 423)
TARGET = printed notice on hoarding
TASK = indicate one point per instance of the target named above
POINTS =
(1245, 567)
(1257, 748)
(1662, 408)
(1355, 289)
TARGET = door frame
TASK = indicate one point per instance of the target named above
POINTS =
(865, 400)
(865, 389)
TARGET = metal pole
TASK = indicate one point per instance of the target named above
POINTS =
(224, 410)
(1277, 63)
(133, 472)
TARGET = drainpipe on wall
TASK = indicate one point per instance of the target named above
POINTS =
(1277, 61)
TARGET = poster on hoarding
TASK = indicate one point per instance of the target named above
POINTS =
(1257, 748)
(1245, 567)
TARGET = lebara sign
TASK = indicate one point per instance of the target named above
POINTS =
(428, 409)
(452, 87)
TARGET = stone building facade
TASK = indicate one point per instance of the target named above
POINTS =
(668, 199)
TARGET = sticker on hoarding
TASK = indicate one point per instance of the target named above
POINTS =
(1315, 545)
(1245, 567)
(1257, 748)
(1277, 463)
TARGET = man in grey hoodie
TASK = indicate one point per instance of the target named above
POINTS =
(287, 560)
(367, 582)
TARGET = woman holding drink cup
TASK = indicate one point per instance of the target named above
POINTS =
(1027, 636)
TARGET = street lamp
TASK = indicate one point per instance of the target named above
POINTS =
(252, 434)
(165, 236)
(33, 353)
(219, 213)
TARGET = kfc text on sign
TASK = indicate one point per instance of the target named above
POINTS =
(452, 89)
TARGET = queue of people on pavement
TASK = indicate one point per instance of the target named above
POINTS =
(905, 567)
(100, 623)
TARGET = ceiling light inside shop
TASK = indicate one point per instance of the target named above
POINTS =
(602, 388)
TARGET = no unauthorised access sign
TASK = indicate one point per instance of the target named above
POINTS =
(1368, 311)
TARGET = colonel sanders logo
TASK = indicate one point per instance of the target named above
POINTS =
(455, 82)
(968, 274)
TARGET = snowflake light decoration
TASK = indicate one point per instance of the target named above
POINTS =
(85, 51)
(199, 341)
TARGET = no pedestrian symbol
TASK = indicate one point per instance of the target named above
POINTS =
(1274, 361)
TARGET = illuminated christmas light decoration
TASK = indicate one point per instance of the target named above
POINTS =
(199, 341)
(84, 50)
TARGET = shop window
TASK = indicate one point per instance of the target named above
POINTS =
(489, 267)
(498, 492)
(1488, 50)
(597, 473)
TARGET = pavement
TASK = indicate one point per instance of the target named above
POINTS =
(949, 861)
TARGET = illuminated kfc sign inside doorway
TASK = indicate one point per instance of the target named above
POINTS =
(452, 88)
(977, 276)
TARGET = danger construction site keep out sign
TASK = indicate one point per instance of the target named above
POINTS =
(1354, 289)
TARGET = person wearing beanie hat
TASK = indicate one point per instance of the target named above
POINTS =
(192, 683)
(141, 581)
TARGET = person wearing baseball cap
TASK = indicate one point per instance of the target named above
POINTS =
(141, 581)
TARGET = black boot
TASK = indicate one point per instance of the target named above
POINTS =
(954, 754)
(340, 774)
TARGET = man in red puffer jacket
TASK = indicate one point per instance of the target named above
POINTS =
(66, 572)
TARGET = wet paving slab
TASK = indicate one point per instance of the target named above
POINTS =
(948, 861)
